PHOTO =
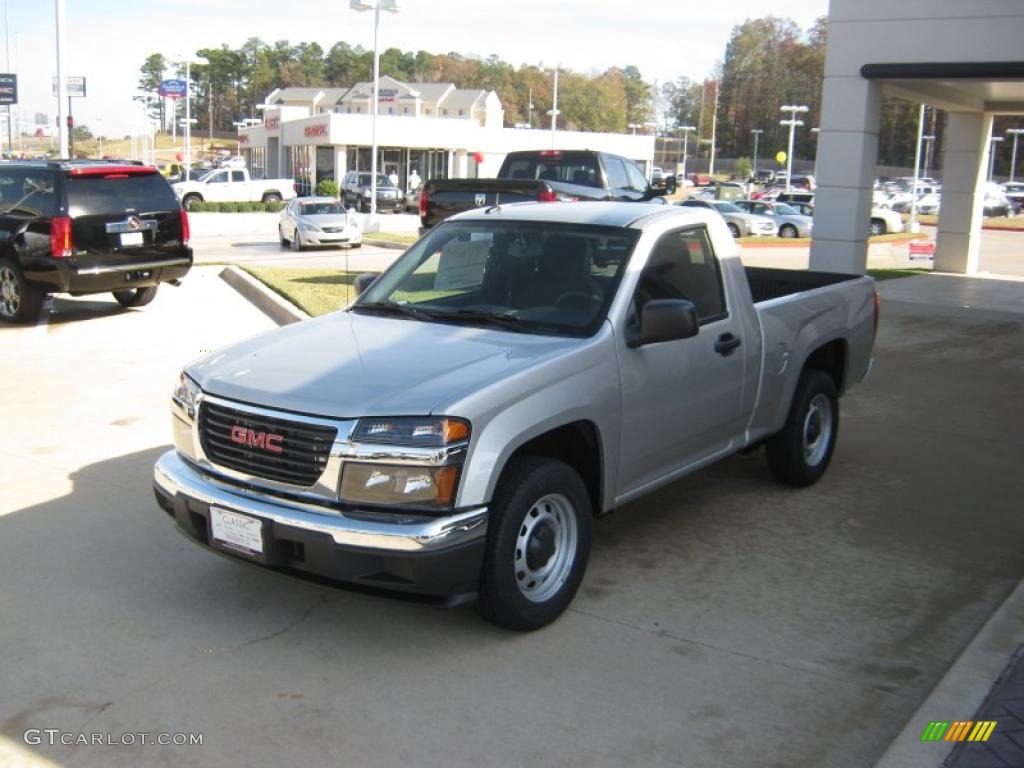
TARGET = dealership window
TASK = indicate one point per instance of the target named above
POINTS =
(391, 110)
(426, 111)
(444, 111)
(256, 159)
(405, 110)
(462, 113)
(302, 169)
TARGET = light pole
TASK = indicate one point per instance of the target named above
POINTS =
(1013, 158)
(714, 129)
(913, 225)
(554, 107)
(188, 61)
(62, 126)
(686, 141)
(927, 155)
(757, 135)
(391, 6)
(793, 110)
(992, 155)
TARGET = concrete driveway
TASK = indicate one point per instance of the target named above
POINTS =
(724, 621)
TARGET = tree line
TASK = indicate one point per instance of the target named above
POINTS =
(768, 62)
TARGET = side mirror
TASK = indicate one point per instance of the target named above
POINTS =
(363, 281)
(663, 320)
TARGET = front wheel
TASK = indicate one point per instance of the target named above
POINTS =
(799, 453)
(296, 243)
(787, 231)
(877, 227)
(734, 230)
(271, 197)
(20, 302)
(191, 202)
(538, 542)
(136, 297)
(281, 238)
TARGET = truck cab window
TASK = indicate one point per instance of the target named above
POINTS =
(617, 176)
(683, 266)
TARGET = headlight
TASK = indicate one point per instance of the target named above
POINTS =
(184, 397)
(306, 227)
(399, 485)
(411, 431)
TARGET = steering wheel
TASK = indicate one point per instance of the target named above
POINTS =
(576, 301)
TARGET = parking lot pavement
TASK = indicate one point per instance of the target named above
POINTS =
(724, 621)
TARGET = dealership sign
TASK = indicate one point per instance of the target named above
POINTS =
(387, 94)
(315, 131)
(175, 89)
(272, 123)
(8, 88)
(74, 87)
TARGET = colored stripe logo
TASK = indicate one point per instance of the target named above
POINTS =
(958, 730)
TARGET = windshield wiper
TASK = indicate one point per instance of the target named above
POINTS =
(391, 308)
(500, 319)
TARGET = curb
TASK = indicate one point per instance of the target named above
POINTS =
(386, 244)
(963, 689)
(783, 243)
(274, 306)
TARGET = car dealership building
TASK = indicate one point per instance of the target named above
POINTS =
(436, 129)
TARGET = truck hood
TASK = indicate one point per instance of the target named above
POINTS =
(347, 365)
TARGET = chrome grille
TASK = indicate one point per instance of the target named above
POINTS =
(305, 448)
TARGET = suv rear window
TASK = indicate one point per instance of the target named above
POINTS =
(141, 193)
(28, 192)
(571, 167)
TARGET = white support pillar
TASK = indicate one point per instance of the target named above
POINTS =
(340, 166)
(847, 153)
(964, 167)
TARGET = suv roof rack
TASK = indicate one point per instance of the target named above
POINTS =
(66, 163)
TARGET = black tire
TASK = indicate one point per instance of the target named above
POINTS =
(271, 197)
(733, 230)
(296, 243)
(877, 227)
(787, 231)
(283, 241)
(136, 297)
(355, 245)
(364, 206)
(534, 488)
(191, 202)
(790, 459)
(20, 301)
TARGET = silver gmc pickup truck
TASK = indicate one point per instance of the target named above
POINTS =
(519, 371)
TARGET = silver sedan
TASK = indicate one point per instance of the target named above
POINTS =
(740, 223)
(789, 221)
(319, 221)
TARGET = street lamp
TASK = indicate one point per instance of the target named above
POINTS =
(686, 140)
(554, 108)
(913, 226)
(1013, 158)
(793, 110)
(927, 155)
(757, 135)
(992, 155)
(391, 6)
(188, 62)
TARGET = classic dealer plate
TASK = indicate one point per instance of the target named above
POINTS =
(237, 531)
(132, 238)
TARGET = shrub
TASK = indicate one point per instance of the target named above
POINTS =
(327, 188)
(744, 168)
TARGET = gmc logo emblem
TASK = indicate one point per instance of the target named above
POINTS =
(262, 440)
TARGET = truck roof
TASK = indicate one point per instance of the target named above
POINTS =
(608, 214)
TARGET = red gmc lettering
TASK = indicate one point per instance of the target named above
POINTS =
(268, 442)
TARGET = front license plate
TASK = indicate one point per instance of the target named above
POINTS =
(237, 531)
(131, 238)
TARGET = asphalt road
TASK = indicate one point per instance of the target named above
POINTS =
(723, 621)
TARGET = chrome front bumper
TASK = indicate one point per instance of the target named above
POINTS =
(369, 530)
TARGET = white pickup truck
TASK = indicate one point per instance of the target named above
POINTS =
(519, 371)
(232, 185)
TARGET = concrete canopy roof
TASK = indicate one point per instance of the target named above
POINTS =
(955, 86)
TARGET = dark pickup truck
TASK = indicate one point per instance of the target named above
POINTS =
(550, 175)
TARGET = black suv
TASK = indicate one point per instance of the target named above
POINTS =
(83, 227)
(356, 191)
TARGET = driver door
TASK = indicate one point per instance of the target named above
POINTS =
(218, 187)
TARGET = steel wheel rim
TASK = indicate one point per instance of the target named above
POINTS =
(549, 523)
(788, 232)
(10, 293)
(817, 432)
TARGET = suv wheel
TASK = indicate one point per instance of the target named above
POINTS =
(19, 301)
(877, 227)
(271, 197)
(538, 541)
(799, 453)
(191, 202)
(136, 297)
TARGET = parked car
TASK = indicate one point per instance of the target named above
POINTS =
(547, 175)
(764, 176)
(739, 222)
(1014, 193)
(232, 161)
(233, 185)
(309, 221)
(882, 221)
(357, 190)
(789, 222)
(549, 362)
(83, 227)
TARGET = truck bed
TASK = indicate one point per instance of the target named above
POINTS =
(769, 283)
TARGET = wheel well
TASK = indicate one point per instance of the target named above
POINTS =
(578, 445)
(830, 358)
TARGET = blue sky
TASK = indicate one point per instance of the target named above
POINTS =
(108, 40)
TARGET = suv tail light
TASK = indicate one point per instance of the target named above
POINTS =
(186, 233)
(423, 202)
(548, 195)
(60, 237)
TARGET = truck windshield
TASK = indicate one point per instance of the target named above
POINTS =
(529, 277)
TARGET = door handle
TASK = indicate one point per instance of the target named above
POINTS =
(727, 344)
